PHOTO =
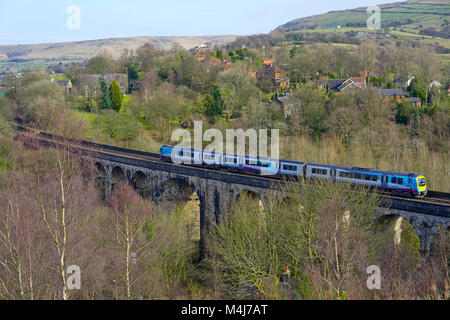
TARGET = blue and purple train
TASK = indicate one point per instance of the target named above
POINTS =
(397, 183)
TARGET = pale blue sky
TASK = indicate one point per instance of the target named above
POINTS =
(42, 21)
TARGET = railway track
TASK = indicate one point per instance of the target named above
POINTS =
(433, 197)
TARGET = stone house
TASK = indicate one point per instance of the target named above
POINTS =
(275, 76)
(397, 94)
(66, 84)
(89, 83)
(416, 102)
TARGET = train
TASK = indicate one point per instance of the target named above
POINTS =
(396, 183)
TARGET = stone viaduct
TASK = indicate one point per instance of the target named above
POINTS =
(216, 190)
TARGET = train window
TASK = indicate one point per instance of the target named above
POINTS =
(358, 176)
(264, 165)
(231, 160)
(422, 182)
(181, 153)
(375, 178)
(400, 181)
(367, 177)
(289, 167)
(394, 180)
(342, 174)
(322, 172)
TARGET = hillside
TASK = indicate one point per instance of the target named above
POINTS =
(412, 16)
(19, 57)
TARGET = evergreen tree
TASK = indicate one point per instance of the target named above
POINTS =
(116, 95)
(106, 102)
(213, 105)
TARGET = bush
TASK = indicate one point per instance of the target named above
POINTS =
(118, 127)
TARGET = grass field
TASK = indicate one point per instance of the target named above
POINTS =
(410, 15)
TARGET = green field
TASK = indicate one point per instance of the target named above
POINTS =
(406, 15)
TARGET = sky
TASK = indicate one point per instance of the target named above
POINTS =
(44, 21)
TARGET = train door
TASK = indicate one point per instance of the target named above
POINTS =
(333, 175)
(385, 182)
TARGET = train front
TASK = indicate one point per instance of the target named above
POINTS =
(422, 186)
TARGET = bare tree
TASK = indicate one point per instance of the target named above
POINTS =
(131, 212)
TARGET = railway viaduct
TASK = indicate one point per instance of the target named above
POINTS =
(216, 190)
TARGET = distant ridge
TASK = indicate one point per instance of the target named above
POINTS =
(81, 50)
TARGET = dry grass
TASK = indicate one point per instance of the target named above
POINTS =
(402, 155)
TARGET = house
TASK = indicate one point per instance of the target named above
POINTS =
(403, 82)
(199, 57)
(344, 84)
(269, 62)
(360, 81)
(66, 84)
(134, 85)
(416, 102)
(275, 76)
(397, 94)
(228, 65)
(90, 82)
(213, 63)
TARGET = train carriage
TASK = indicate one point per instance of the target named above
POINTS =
(398, 183)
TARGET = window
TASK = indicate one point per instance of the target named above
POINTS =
(394, 180)
(367, 177)
(422, 182)
(400, 181)
(375, 178)
(342, 174)
(322, 172)
(264, 165)
(231, 160)
(289, 167)
(358, 176)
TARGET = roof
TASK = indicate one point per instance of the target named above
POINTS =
(340, 84)
(110, 77)
(392, 92)
(335, 84)
(63, 83)
(269, 60)
(358, 79)
(413, 99)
